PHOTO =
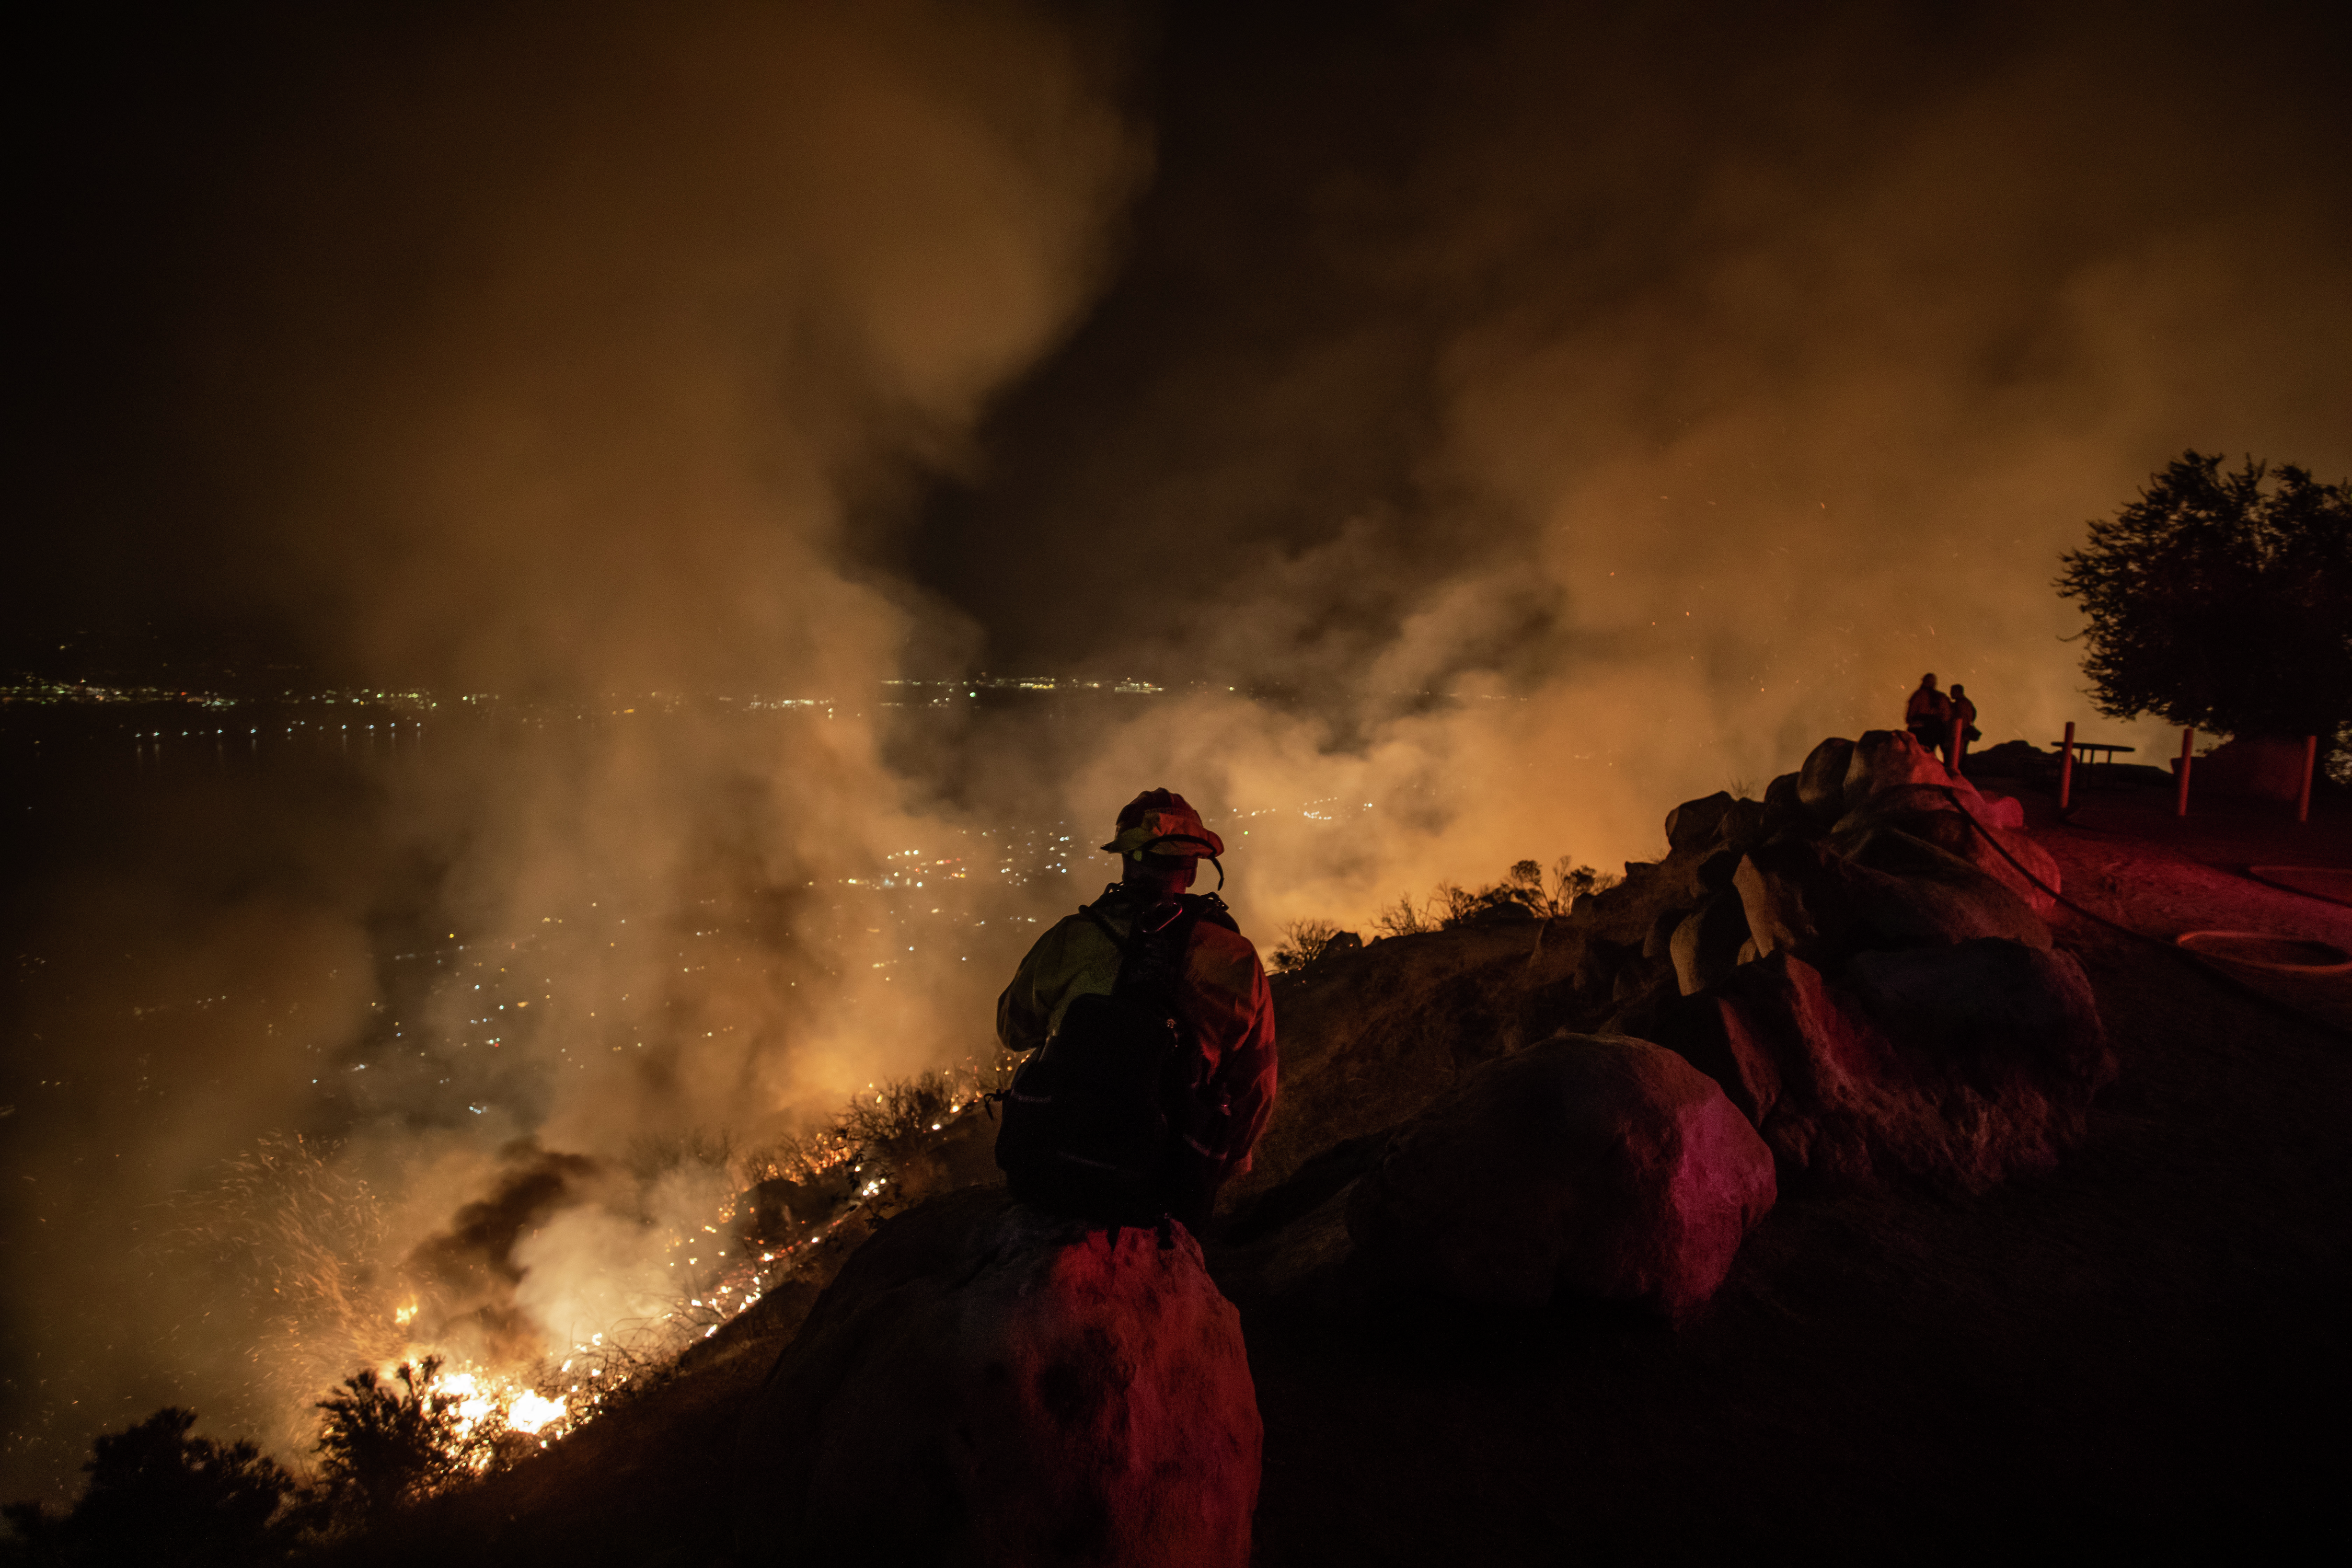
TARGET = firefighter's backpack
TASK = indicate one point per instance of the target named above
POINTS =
(1092, 1122)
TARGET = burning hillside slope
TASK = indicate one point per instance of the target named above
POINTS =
(1934, 1348)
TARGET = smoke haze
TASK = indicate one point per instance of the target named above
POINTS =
(1683, 384)
(569, 356)
(1491, 423)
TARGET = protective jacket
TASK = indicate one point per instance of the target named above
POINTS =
(1927, 706)
(1221, 994)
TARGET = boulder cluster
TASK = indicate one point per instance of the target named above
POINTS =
(1859, 961)
(1847, 981)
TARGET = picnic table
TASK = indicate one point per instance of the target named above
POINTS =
(2089, 746)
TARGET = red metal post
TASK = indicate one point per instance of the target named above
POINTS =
(2310, 764)
(2066, 766)
(2188, 746)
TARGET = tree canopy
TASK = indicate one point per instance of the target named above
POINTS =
(2222, 601)
(157, 1495)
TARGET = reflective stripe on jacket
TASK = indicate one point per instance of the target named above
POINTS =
(1223, 996)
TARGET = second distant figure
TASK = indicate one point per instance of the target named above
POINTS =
(1960, 728)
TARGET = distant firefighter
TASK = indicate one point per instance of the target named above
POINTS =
(1149, 1028)
(1961, 728)
(1928, 716)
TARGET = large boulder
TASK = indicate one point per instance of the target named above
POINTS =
(1707, 943)
(984, 1383)
(2008, 813)
(2015, 1038)
(1824, 1084)
(1784, 809)
(1958, 902)
(1649, 892)
(1888, 759)
(1886, 890)
(1958, 1063)
(1993, 810)
(1586, 1166)
(2009, 857)
(1718, 819)
(1820, 782)
(1724, 1037)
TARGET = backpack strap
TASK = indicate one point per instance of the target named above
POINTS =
(1211, 909)
(1153, 959)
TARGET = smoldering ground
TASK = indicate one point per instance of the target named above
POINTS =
(1491, 423)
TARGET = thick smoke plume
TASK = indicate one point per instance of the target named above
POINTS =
(574, 358)
(1669, 388)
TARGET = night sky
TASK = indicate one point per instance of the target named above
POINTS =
(1332, 258)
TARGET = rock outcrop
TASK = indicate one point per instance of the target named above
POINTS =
(1591, 1167)
(1894, 1006)
(1760, 948)
(1960, 1062)
(987, 1384)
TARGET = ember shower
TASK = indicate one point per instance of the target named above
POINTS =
(1483, 428)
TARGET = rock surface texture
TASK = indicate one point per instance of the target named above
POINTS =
(1586, 1166)
(1960, 1063)
(1896, 1008)
(1851, 982)
(987, 1384)
(1859, 962)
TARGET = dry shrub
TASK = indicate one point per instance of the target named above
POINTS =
(384, 1443)
(1546, 895)
(1303, 941)
(885, 1123)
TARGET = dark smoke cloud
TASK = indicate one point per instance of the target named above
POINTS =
(471, 1268)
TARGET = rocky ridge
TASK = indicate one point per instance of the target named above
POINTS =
(1849, 981)
(1844, 987)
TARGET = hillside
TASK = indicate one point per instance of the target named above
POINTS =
(2135, 1343)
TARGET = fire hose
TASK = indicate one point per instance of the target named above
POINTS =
(2201, 965)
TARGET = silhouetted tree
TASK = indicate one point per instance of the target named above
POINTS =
(1303, 941)
(1403, 918)
(158, 1496)
(2222, 601)
(386, 1442)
